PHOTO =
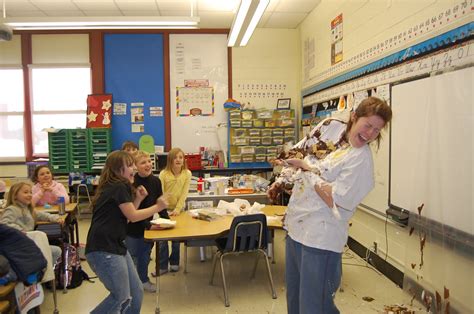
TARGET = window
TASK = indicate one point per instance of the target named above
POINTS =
(11, 113)
(58, 100)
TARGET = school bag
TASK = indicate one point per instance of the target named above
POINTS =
(69, 272)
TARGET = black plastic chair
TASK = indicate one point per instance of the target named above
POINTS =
(248, 234)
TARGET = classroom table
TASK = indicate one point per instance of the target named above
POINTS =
(189, 228)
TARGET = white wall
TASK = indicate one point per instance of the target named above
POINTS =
(366, 23)
(272, 55)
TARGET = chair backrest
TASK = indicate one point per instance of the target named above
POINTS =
(247, 233)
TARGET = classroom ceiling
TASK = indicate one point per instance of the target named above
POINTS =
(212, 13)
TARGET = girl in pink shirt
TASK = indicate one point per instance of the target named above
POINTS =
(46, 190)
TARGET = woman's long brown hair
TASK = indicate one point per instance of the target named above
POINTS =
(112, 172)
(369, 107)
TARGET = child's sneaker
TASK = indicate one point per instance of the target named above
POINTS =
(174, 268)
(162, 272)
(149, 287)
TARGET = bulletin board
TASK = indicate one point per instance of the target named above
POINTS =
(134, 75)
(205, 65)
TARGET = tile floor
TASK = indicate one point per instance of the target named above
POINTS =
(191, 292)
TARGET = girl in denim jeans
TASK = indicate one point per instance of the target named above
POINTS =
(115, 203)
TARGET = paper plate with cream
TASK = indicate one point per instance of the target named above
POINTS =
(164, 223)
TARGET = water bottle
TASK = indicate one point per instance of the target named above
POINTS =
(200, 185)
(62, 205)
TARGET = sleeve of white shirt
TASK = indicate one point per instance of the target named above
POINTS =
(354, 182)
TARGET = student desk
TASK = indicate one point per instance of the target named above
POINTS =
(69, 219)
(188, 228)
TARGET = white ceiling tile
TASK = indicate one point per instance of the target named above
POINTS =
(285, 20)
(174, 5)
(263, 21)
(218, 5)
(141, 13)
(103, 13)
(55, 6)
(15, 13)
(177, 13)
(296, 6)
(272, 5)
(92, 6)
(19, 5)
(137, 6)
(61, 13)
(212, 19)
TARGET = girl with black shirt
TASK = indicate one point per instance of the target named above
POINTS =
(115, 203)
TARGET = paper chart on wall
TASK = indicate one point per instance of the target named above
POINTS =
(194, 101)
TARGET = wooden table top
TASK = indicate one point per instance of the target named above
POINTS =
(55, 208)
(188, 228)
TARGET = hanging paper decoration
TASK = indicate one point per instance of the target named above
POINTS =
(99, 109)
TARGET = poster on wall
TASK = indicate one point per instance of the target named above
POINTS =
(336, 39)
(194, 101)
(99, 109)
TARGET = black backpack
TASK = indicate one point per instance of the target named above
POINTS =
(71, 271)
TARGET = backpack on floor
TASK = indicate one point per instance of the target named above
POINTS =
(70, 272)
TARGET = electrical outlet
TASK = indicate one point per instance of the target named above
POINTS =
(375, 247)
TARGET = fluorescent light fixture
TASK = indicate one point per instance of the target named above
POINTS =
(238, 21)
(262, 5)
(249, 14)
(88, 22)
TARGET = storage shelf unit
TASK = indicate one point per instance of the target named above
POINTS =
(256, 136)
(100, 145)
(78, 150)
(58, 151)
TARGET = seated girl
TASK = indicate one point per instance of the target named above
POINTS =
(20, 214)
(46, 190)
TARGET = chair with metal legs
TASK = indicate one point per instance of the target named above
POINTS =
(248, 234)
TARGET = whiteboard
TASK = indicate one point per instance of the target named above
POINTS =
(198, 58)
(432, 148)
(377, 199)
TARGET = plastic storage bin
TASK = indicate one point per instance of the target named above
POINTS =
(254, 132)
(234, 123)
(234, 114)
(267, 141)
(277, 132)
(278, 140)
(254, 140)
(247, 123)
(260, 150)
(248, 158)
(266, 132)
(240, 141)
(260, 158)
(193, 161)
(240, 132)
(246, 150)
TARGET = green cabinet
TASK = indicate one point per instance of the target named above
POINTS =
(58, 151)
(78, 150)
(100, 145)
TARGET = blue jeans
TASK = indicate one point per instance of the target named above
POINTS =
(140, 253)
(312, 279)
(165, 257)
(120, 278)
